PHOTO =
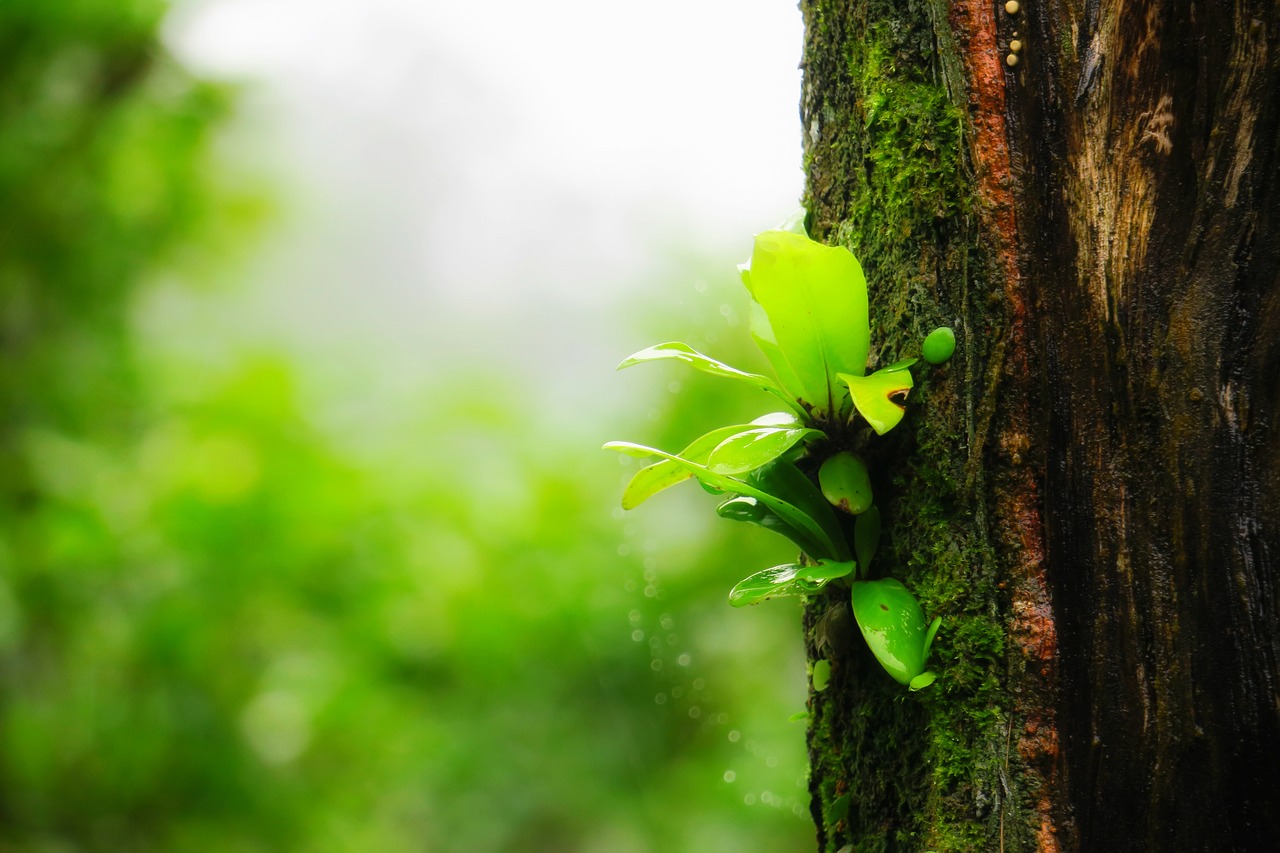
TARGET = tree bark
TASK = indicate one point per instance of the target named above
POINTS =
(1089, 493)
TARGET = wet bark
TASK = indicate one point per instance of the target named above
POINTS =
(1089, 494)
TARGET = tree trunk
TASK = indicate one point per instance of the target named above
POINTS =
(1089, 492)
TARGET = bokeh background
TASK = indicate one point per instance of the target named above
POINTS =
(308, 318)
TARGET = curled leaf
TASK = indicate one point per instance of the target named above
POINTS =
(880, 397)
(789, 579)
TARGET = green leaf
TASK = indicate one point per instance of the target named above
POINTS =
(813, 324)
(769, 583)
(789, 579)
(674, 350)
(787, 511)
(650, 480)
(748, 450)
(845, 483)
(798, 716)
(866, 537)
(778, 419)
(922, 681)
(829, 570)
(786, 481)
(762, 333)
(821, 675)
(893, 625)
(930, 634)
(939, 345)
(748, 509)
(876, 396)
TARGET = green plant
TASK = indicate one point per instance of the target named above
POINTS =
(798, 472)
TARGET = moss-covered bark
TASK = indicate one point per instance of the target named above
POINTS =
(890, 177)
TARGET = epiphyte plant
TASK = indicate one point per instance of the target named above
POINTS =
(798, 472)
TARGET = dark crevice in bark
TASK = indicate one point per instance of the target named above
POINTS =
(1154, 274)
(1111, 255)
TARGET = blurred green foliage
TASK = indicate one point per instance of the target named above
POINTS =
(222, 630)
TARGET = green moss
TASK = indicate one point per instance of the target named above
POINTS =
(888, 178)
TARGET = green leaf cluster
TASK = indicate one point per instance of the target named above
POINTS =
(809, 316)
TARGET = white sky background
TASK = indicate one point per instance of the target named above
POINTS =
(464, 173)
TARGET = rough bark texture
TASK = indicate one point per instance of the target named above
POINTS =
(1089, 493)
(1150, 184)
(890, 176)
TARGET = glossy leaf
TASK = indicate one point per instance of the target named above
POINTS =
(783, 479)
(939, 345)
(893, 625)
(748, 509)
(676, 351)
(866, 537)
(789, 579)
(651, 479)
(876, 396)
(787, 511)
(748, 450)
(813, 324)
(922, 681)
(778, 419)
(845, 483)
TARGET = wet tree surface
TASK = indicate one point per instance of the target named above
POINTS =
(1089, 493)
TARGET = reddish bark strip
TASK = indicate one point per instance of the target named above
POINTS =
(974, 25)
(1032, 628)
